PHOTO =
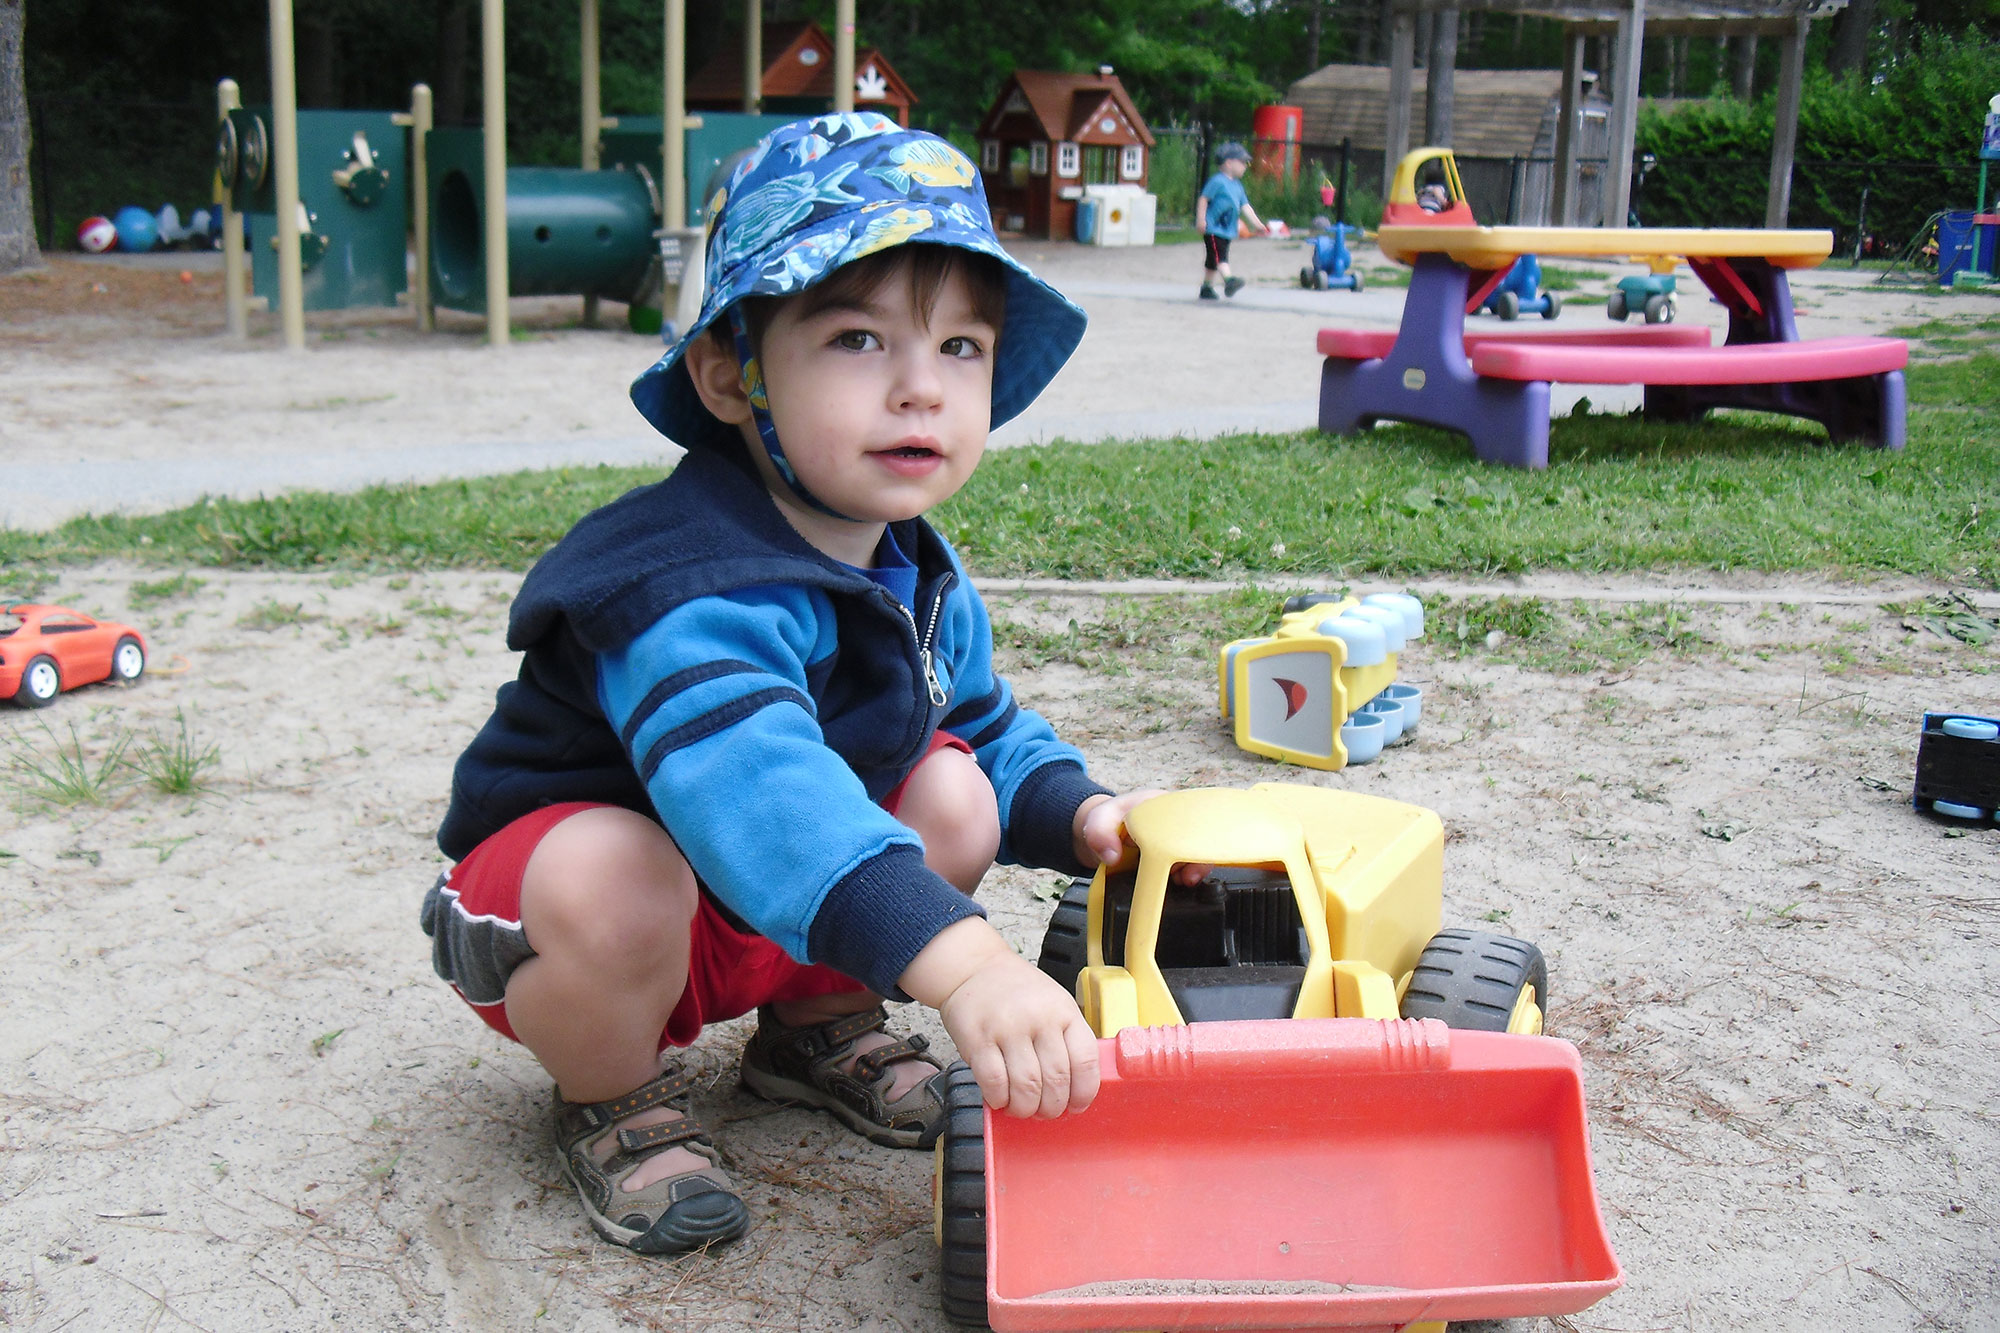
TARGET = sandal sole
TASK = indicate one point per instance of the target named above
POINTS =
(774, 1087)
(624, 1237)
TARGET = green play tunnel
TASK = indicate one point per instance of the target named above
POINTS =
(570, 232)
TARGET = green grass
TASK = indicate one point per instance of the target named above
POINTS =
(62, 772)
(175, 763)
(1741, 491)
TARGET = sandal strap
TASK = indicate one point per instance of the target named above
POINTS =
(842, 1031)
(647, 1138)
(869, 1065)
(582, 1118)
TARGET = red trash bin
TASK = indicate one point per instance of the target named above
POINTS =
(1275, 132)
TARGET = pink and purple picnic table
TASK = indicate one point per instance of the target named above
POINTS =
(1495, 387)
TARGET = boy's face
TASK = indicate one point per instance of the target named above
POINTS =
(1235, 167)
(882, 414)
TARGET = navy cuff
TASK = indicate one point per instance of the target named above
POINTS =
(882, 914)
(1041, 828)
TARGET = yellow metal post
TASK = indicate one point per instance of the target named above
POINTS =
(843, 55)
(285, 155)
(673, 119)
(235, 299)
(493, 60)
(419, 121)
(591, 94)
(753, 55)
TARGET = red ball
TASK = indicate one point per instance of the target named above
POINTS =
(96, 235)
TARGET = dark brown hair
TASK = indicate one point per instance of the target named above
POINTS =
(929, 267)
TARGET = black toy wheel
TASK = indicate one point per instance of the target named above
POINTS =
(1507, 305)
(1306, 278)
(1357, 279)
(1614, 305)
(961, 1186)
(1321, 282)
(1552, 304)
(1307, 600)
(128, 660)
(41, 682)
(1472, 979)
(1656, 309)
(1064, 946)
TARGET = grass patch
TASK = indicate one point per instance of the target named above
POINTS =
(174, 762)
(146, 595)
(1567, 639)
(1741, 491)
(61, 773)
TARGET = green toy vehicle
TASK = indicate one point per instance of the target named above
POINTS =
(1651, 295)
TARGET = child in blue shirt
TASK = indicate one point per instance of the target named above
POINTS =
(1215, 214)
(758, 757)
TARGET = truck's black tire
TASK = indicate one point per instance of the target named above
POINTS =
(1064, 946)
(962, 1198)
(1473, 979)
(1614, 304)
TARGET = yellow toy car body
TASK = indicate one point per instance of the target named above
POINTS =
(1320, 691)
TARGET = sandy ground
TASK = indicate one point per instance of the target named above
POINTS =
(233, 1097)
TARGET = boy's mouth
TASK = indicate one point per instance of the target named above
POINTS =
(912, 456)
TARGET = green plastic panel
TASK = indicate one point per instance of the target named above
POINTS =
(720, 136)
(365, 262)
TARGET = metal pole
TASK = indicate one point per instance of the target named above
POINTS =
(673, 119)
(1785, 133)
(235, 300)
(1624, 115)
(753, 56)
(1568, 121)
(843, 55)
(1340, 195)
(493, 67)
(285, 155)
(591, 96)
(420, 201)
(1402, 54)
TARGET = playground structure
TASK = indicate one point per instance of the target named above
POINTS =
(1495, 389)
(617, 225)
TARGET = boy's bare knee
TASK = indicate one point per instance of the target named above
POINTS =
(951, 805)
(610, 882)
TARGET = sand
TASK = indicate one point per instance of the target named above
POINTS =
(233, 1097)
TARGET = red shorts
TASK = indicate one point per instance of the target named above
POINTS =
(475, 919)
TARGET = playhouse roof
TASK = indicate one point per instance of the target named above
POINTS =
(1073, 108)
(798, 63)
(1495, 113)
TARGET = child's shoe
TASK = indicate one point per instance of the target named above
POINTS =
(802, 1064)
(683, 1212)
(1209, 293)
(1231, 286)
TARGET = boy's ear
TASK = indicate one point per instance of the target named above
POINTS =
(718, 379)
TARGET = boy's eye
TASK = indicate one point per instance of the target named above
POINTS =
(856, 340)
(967, 348)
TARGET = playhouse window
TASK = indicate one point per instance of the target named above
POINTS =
(1038, 160)
(1067, 163)
(1018, 165)
(989, 155)
(1133, 164)
(1099, 165)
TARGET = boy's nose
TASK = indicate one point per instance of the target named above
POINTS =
(918, 384)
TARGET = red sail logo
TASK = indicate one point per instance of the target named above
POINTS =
(1295, 695)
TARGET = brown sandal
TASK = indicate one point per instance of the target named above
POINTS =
(683, 1212)
(802, 1064)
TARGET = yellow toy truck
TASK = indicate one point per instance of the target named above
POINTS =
(1319, 1109)
(1321, 690)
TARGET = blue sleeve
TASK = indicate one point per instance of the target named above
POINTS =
(1039, 780)
(712, 705)
(1216, 189)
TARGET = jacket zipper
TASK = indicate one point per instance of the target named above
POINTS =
(926, 637)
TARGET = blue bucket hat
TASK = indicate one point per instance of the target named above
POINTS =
(819, 193)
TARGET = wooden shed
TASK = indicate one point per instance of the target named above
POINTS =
(1048, 135)
(798, 76)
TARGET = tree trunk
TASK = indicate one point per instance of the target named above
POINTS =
(1313, 20)
(17, 212)
(452, 55)
(1442, 61)
(1385, 30)
(1745, 79)
(1850, 38)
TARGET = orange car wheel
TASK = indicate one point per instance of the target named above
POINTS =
(128, 660)
(41, 682)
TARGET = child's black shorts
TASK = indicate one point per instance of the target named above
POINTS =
(1214, 250)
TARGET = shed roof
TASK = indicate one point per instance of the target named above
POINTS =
(1711, 18)
(798, 62)
(1065, 107)
(1495, 112)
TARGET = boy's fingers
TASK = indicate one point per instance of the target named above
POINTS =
(1024, 1078)
(1083, 1070)
(1052, 1053)
(990, 1068)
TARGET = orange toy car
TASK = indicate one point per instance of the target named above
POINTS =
(45, 650)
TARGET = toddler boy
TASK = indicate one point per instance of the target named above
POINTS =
(757, 757)
(1222, 200)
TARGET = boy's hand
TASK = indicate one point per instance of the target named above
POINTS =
(1101, 840)
(1016, 1028)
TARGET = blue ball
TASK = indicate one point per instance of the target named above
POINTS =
(137, 229)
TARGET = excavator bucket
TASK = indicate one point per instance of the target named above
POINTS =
(1341, 1173)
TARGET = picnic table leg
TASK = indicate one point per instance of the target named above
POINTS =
(1759, 299)
(1426, 378)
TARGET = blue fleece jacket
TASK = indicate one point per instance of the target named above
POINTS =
(689, 656)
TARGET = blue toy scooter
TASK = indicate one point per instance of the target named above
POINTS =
(1520, 293)
(1332, 267)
